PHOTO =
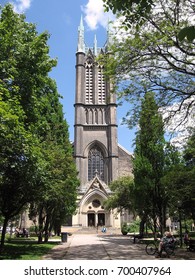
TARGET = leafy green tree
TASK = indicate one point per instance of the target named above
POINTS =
(189, 152)
(122, 194)
(180, 182)
(20, 159)
(148, 164)
(139, 10)
(132, 10)
(59, 198)
(25, 64)
(152, 58)
(37, 166)
(153, 55)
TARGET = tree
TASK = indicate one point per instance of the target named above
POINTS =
(36, 159)
(25, 64)
(132, 10)
(152, 58)
(180, 182)
(189, 152)
(122, 194)
(20, 159)
(58, 201)
(138, 10)
(148, 164)
(59, 198)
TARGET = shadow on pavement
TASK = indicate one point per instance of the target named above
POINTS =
(107, 247)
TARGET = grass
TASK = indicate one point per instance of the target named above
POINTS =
(25, 249)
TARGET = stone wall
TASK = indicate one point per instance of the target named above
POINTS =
(124, 162)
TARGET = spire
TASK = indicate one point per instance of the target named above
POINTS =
(109, 35)
(95, 46)
(81, 44)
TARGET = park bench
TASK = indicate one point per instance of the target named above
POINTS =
(21, 234)
(137, 236)
(143, 237)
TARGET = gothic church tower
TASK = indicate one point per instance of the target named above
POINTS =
(96, 148)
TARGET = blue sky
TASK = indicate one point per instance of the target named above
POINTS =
(61, 19)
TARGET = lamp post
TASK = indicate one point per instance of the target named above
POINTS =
(180, 224)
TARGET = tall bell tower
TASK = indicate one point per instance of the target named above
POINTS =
(95, 142)
(96, 149)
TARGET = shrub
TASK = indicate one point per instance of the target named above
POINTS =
(124, 228)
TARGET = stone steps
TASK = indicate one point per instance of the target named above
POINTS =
(89, 230)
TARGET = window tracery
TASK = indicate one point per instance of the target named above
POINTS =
(95, 163)
(89, 81)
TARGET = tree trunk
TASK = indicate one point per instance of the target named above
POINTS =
(40, 237)
(3, 232)
(46, 236)
(141, 226)
(46, 229)
(40, 233)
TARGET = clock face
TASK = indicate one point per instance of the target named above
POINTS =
(96, 203)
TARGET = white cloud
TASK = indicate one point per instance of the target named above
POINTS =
(95, 15)
(20, 6)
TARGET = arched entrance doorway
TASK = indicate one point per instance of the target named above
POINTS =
(91, 219)
(101, 219)
(91, 210)
(95, 219)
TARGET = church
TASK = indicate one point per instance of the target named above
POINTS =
(99, 157)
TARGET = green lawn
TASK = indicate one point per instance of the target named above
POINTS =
(25, 249)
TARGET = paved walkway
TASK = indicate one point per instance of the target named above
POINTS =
(106, 247)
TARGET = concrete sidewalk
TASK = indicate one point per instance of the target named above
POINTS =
(106, 247)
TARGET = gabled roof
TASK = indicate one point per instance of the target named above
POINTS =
(124, 150)
(96, 184)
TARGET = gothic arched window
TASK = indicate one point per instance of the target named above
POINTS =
(95, 163)
(89, 81)
(101, 86)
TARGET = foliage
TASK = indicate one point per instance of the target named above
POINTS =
(152, 58)
(59, 200)
(20, 159)
(134, 226)
(148, 164)
(124, 228)
(187, 32)
(189, 152)
(150, 53)
(139, 10)
(131, 227)
(180, 182)
(36, 161)
(132, 10)
(122, 191)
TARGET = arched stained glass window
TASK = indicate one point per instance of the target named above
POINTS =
(95, 163)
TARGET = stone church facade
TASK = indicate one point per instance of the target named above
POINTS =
(98, 156)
